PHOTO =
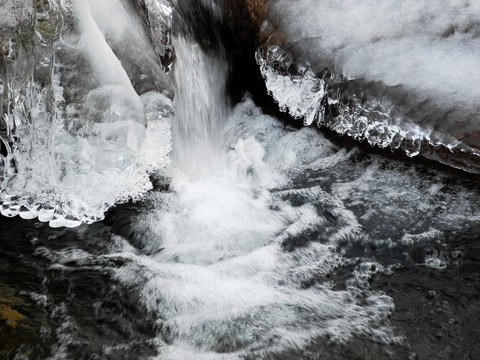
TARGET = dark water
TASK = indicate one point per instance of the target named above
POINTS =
(420, 225)
(66, 298)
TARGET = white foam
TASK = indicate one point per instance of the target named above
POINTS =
(220, 283)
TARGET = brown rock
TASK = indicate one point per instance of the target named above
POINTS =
(10, 315)
(10, 322)
(246, 18)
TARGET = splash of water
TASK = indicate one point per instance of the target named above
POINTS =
(213, 267)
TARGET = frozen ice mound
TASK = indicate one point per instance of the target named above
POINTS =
(397, 75)
(82, 95)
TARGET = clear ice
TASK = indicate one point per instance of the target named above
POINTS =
(74, 127)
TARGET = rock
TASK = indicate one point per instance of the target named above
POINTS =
(11, 316)
(247, 15)
(249, 20)
(11, 327)
(157, 15)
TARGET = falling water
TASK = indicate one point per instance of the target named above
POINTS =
(214, 270)
(259, 241)
(200, 107)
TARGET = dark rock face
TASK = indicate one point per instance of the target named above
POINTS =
(160, 27)
(246, 16)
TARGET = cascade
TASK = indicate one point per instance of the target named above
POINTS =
(247, 237)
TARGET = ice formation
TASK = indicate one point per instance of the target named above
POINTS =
(399, 75)
(73, 125)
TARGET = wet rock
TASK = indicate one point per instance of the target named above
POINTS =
(248, 14)
(11, 316)
(14, 322)
(157, 15)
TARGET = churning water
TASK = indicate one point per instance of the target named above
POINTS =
(216, 274)
(258, 241)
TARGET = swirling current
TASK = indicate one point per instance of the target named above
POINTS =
(235, 234)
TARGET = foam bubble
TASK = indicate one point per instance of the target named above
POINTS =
(220, 282)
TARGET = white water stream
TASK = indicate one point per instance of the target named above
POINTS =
(213, 270)
(242, 254)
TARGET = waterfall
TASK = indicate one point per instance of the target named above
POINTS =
(200, 107)
(246, 237)
(214, 273)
